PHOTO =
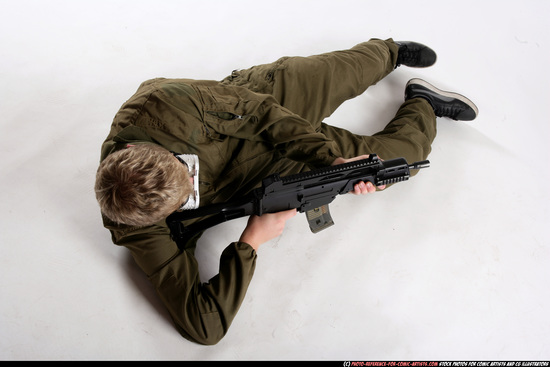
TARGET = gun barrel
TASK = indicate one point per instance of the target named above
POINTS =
(419, 165)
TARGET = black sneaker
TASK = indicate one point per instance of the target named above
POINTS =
(445, 104)
(415, 55)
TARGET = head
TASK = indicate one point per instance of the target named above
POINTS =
(141, 185)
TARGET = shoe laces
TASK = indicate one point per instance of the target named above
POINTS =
(406, 56)
(450, 110)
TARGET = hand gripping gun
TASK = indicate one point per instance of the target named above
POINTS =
(308, 192)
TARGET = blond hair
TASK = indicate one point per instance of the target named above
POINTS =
(141, 185)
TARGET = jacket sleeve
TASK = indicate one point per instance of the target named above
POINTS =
(202, 312)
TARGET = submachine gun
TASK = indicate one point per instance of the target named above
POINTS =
(308, 192)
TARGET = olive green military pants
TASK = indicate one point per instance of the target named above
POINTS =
(315, 86)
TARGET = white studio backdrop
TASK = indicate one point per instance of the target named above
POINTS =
(451, 265)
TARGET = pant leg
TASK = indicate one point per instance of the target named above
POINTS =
(315, 86)
(409, 134)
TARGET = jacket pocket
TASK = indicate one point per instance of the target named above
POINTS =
(219, 124)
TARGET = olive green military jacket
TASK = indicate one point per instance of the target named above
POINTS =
(240, 137)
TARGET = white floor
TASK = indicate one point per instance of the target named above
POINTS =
(451, 265)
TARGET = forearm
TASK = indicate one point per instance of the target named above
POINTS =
(261, 229)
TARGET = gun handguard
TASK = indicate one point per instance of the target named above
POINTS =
(306, 192)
